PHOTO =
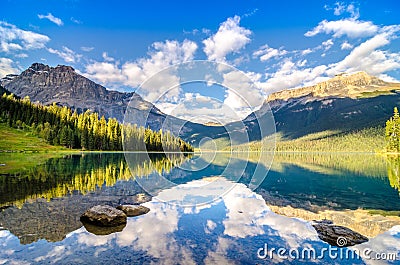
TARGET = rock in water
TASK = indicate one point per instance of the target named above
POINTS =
(104, 215)
(133, 210)
(336, 235)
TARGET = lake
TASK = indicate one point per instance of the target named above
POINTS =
(204, 208)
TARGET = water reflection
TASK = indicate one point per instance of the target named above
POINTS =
(85, 173)
(229, 231)
(317, 182)
(48, 200)
(394, 171)
(45, 226)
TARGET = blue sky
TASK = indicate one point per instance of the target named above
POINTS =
(278, 44)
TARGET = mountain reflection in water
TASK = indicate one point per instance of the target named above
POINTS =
(230, 230)
(43, 226)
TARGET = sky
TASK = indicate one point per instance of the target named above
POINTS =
(276, 44)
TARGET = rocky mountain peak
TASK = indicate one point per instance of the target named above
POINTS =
(39, 67)
(62, 85)
(342, 85)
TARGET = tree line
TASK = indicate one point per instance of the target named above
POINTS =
(392, 132)
(87, 131)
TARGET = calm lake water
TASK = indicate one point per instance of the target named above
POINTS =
(203, 209)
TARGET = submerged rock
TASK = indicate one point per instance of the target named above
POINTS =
(104, 215)
(336, 235)
(133, 210)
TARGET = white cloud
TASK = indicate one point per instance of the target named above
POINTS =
(52, 18)
(367, 57)
(291, 75)
(302, 63)
(354, 11)
(133, 74)
(230, 38)
(10, 46)
(66, 54)
(306, 51)
(387, 78)
(340, 8)
(327, 44)
(76, 21)
(107, 58)
(104, 72)
(163, 55)
(346, 46)
(345, 27)
(6, 67)
(265, 53)
(22, 55)
(15, 39)
(87, 49)
(242, 92)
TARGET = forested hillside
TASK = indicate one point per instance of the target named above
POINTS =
(87, 131)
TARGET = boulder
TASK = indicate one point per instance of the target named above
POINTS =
(336, 235)
(104, 215)
(133, 210)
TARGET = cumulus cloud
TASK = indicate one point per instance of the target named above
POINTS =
(387, 78)
(66, 54)
(290, 75)
(161, 55)
(341, 8)
(242, 93)
(327, 44)
(14, 39)
(306, 51)
(346, 46)
(354, 11)
(105, 72)
(230, 38)
(345, 27)
(265, 53)
(52, 18)
(6, 67)
(367, 57)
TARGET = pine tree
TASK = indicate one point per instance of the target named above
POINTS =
(392, 132)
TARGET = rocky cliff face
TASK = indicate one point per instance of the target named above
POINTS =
(342, 85)
(62, 85)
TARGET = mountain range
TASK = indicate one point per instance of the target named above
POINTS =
(346, 102)
(63, 86)
(343, 103)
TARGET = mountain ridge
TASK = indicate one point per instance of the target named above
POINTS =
(346, 102)
(342, 85)
(63, 86)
